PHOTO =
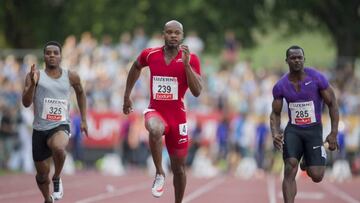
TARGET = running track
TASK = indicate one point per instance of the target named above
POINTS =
(134, 187)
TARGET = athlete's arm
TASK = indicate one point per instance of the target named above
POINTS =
(133, 76)
(330, 100)
(194, 80)
(275, 121)
(81, 99)
(30, 84)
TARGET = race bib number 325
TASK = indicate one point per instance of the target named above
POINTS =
(302, 113)
(164, 88)
(54, 109)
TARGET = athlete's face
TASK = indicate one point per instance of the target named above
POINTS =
(295, 60)
(52, 56)
(173, 35)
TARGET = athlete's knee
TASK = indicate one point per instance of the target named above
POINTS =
(42, 179)
(178, 168)
(156, 133)
(316, 176)
(59, 150)
(155, 127)
(291, 167)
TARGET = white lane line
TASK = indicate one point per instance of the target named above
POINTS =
(68, 185)
(19, 194)
(204, 189)
(271, 189)
(306, 195)
(339, 193)
(114, 193)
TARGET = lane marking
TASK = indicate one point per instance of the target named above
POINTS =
(114, 193)
(204, 189)
(37, 191)
(271, 188)
(307, 195)
(339, 193)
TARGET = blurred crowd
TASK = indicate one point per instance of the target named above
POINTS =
(237, 94)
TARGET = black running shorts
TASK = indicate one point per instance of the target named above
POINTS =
(40, 149)
(304, 141)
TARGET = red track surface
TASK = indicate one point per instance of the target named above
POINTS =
(134, 187)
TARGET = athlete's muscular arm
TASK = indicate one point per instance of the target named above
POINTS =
(81, 99)
(30, 84)
(194, 80)
(330, 100)
(133, 76)
(275, 122)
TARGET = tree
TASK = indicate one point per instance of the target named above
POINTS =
(340, 18)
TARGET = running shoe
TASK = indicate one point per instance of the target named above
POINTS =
(158, 186)
(58, 189)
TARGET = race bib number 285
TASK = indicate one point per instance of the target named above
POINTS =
(302, 113)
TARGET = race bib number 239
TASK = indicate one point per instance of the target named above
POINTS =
(164, 88)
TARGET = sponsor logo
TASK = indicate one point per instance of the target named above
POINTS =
(53, 117)
(182, 140)
(306, 83)
(179, 60)
(160, 96)
(315, 147)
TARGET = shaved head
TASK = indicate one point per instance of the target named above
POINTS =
(173, 23)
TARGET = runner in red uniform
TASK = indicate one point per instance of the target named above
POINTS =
(173, 69)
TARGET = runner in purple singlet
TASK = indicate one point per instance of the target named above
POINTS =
(304, 90)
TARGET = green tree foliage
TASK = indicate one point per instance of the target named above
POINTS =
(339, 18)
(30, 23)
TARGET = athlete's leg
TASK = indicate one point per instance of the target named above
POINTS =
(179, 180)
(314, 153)
(57, 143)
(289, 183)
(156, 129)
(42, 178)
(316, 173)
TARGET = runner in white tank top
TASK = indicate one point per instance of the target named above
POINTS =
(49, 90)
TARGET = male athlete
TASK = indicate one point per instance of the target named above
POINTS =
(173, 69)
(304, 90)
(49, 91)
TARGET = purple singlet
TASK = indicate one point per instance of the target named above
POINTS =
(304, 106)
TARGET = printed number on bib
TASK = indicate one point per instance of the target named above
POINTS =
(183, 129)
(302, 113)
(165, 88)
(54, 109)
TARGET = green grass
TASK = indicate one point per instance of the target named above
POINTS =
(270, 50)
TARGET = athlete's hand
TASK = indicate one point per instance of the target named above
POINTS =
(185, 54)
(278, 141)
(127, 106)
(84, 128)
(332, 140)
(33, 75)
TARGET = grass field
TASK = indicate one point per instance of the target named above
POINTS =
(270, 51)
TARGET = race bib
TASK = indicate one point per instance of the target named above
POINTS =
(165, 88)
(302, 113)
(54, 109)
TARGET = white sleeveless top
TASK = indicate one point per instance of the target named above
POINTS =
(51, 101)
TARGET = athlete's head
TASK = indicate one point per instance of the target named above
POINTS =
(173, 33)
(52, 54)
(295, 58)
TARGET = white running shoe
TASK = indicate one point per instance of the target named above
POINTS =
(58, 189)
(158, 186)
